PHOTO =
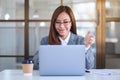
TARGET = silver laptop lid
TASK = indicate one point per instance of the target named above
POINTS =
(62, 60)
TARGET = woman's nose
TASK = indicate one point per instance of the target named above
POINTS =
(62, 25)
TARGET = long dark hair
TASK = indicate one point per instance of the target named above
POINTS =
(53, 35)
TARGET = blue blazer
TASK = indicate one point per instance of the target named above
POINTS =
(74, 40)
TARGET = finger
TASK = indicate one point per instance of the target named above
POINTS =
(92, 41)
(89, 34)
(92, 37)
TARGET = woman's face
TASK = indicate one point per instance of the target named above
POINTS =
(63, 25)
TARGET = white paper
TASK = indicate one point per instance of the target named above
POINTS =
(105, 71)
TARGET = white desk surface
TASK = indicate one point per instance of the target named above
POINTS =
(95, 74)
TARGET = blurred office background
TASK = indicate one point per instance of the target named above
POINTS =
(24, 22)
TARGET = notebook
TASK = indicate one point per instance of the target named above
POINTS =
(57, 60)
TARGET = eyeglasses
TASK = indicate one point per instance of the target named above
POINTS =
(65, 23)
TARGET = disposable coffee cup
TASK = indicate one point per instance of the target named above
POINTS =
(27, 67)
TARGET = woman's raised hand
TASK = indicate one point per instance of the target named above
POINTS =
(89, 39)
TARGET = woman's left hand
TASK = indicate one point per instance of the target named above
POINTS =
(89, 39)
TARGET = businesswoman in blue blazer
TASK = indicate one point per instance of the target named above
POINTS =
(63, 32)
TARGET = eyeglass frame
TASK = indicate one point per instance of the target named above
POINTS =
(65, 23)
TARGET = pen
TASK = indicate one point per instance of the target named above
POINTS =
(87, 71)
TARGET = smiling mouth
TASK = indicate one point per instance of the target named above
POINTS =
(61, 31)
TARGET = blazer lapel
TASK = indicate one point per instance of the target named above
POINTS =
(72, 39)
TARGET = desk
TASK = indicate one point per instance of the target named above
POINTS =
(93, 75)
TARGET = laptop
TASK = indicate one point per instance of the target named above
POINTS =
(57, 60)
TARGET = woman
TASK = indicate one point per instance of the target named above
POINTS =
(63, 32)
